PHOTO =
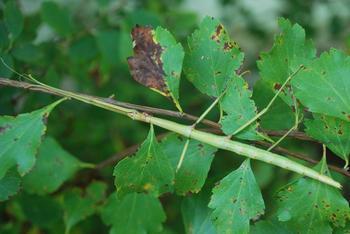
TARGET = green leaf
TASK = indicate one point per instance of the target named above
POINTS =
(41, 210)
(57, 18)
(4, 71)
(196, 215)
(236, 200)
(83, 50)
(107, 43)
(196, 164)
(289, 52)
(141, 16)
(239, 109)
(313, 205)
(79, 206)
(323, 87)
(4, 38)
(212, 58)
(13, 19)
(269, 227)
(280, 115)
(333, 132)
(148, 171)
(343, 230)
(20, 138)
(134, 213)
(9, 185)
(27, 52)
(171, 57)
(53, 167)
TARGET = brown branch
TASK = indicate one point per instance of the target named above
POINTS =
(147, 109)
(215, 127)
(295, 134)
(124, 153)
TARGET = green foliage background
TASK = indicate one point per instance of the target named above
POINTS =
(83, 46)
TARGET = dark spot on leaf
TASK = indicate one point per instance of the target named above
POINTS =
(316, 206)
(200, 145)
(323, 72)
(286, 60)
(3, 128)
(309, 193)
(218, 30)
(217, 73)
(15, 139)
(44, 119)
(277, 86)
(180, 138)
(217, 33)
(340, 132)
(146, 66)
(234, 200)
(228, 46)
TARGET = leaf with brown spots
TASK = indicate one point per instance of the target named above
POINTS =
(333, 132)
(194, 170)
(290, 50)
(239, 108)
(212, 59)
(157, 61)
(324, 86)
(236, 200)
(312, 205)
(20, 138)
(149, 170)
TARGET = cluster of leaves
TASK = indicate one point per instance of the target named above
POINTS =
(39, 166)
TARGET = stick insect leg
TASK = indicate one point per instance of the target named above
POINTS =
(295, 126)
(201, 117)
(263, 111)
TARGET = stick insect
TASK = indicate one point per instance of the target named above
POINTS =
(221, 142)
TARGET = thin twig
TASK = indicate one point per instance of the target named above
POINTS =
(124, 153)
(147, 109)
(295, 134)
